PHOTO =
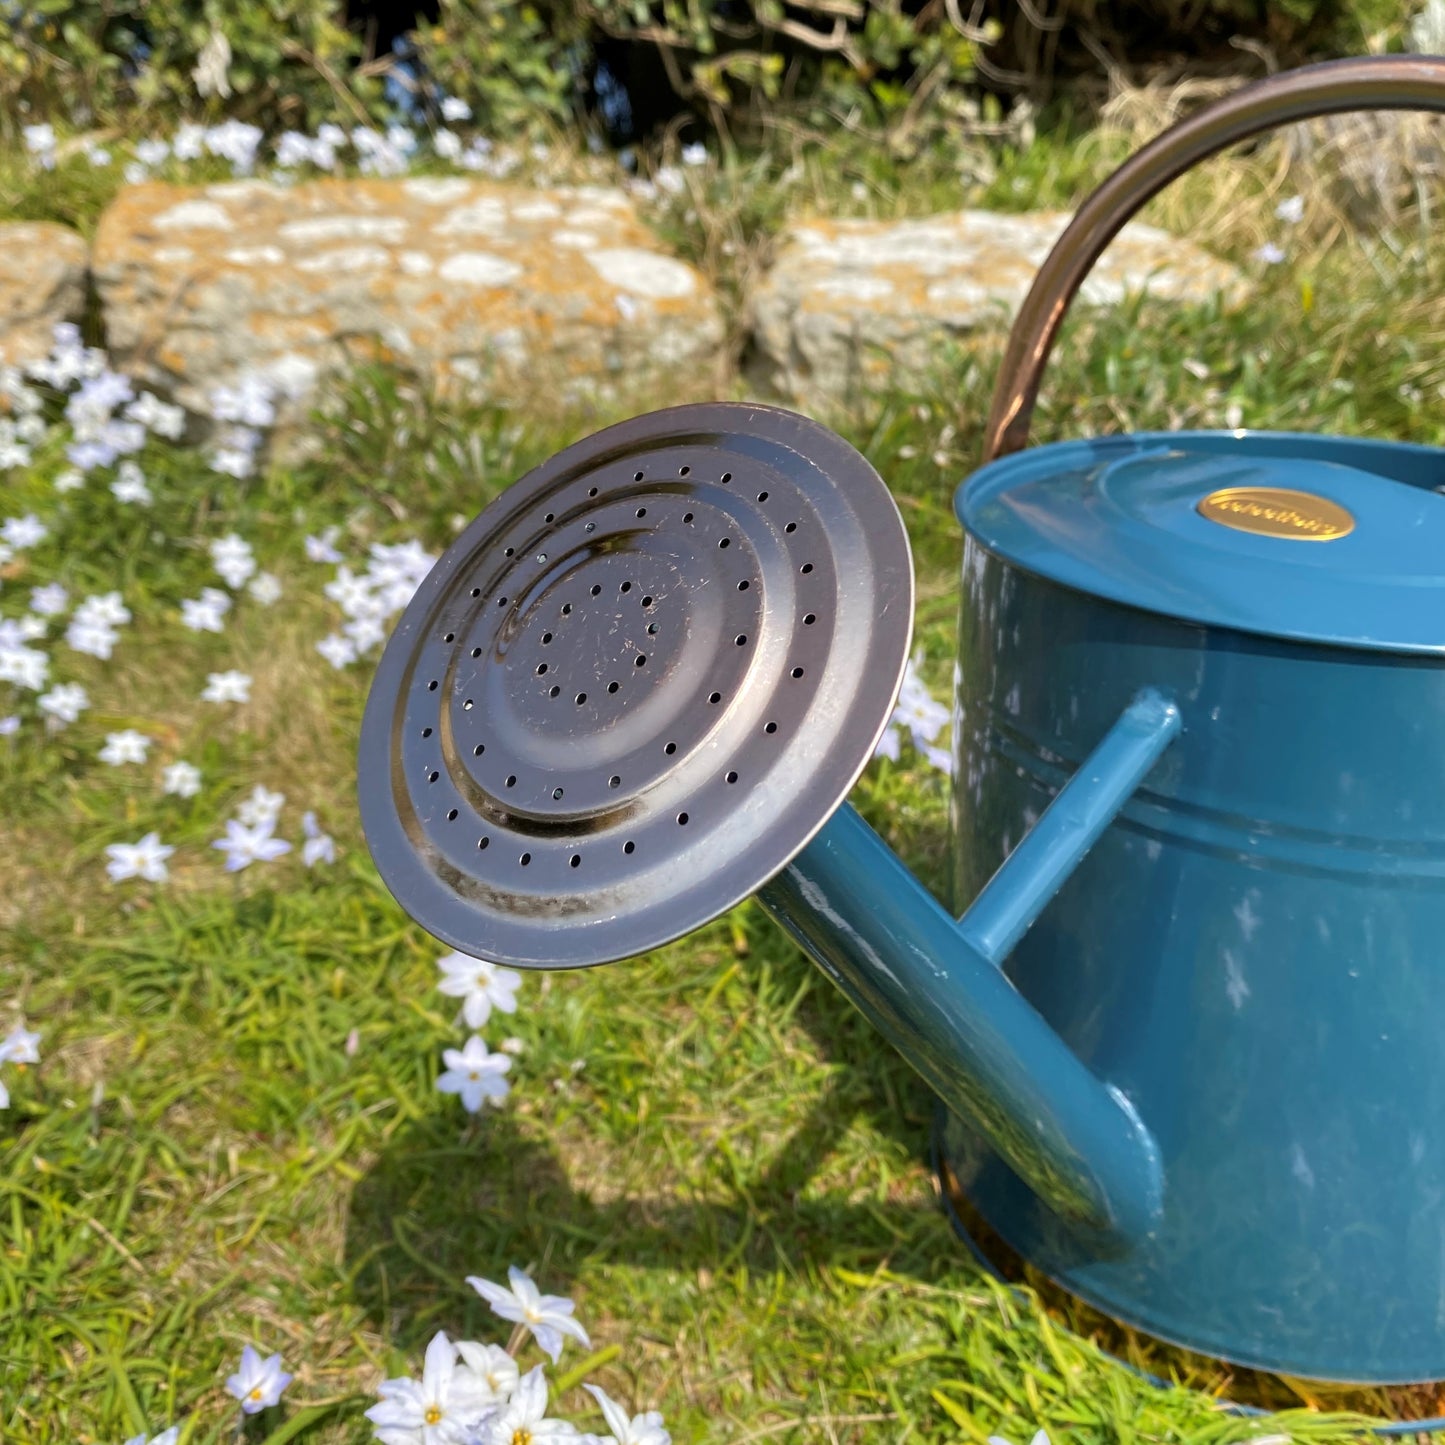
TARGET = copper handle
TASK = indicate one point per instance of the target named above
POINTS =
(1376, 82)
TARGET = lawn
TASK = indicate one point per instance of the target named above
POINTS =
(234, 1135)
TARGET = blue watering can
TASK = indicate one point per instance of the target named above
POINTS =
(1190, 1032)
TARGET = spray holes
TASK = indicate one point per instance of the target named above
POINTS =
(566, 609)
(426, 732)
(451, 815)
(479, 750)
(652, 629)
(512, 780)
(483, 843)
(476, 652)
(550, 517)
(468, 705)
(642, 659)
(476, 591)
(596, 589)
(556, 795)
(797, 672)
(614, 781)
(732, 777)
(670, 749)
(687, 517)
(683, 471)
(743, 585)
(725, 543)
(806, 568)
(810, 619)
(591, 491)
(772, 727)
(541, 668)
(613, 686)
(553, 691)
(546, 638)
(727, 476)
(741, 639)
(642, 511)
(581, 698)
(682, 818)
(525, 859)
(432, 776)
(715, 698)
(575, 860)
(432, 685)
(626, 587)
(450, 637)
(629, 846)
(589, 527)
(501, 601)
(762, 496)
(510, 552)
(647, 601)
(791, 527)
(637, 476)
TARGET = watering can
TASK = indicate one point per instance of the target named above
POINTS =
(1189, 1032)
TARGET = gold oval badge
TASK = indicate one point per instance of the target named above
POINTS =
(1278, 512)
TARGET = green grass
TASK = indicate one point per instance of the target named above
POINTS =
(706, 1147)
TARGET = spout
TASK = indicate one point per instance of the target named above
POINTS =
(932, 985)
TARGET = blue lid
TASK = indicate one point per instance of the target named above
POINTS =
(1321, 539)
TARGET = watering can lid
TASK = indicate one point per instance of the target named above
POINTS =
(1319, 539)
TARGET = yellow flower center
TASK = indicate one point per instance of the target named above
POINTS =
(522, 1436)
(256, 1393)
(474, 1075)
(483, 980)
(433, 1415)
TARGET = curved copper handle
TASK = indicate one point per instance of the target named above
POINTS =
(1377, 82)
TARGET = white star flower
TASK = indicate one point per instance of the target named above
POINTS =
(95, 639)
(323, 548)
(69, 480)
(9, 726)
(339, 651)
(262, 808)
(1270, 254)
(495, 1370)
(482, 985)
(23, 666)
(22, 532)
(50, 600)
(229, 686)
(548, 1316)
(523, 1421)
(1291, 210)
(474, 1074)
(318, 847)
(265, 588)
(125, 747)
(244, 846)
(63, 703)
(233, 559)
(645, 1429)
(1041, 1437)
(258, 1383)
(182, 779)
(207, 612)
(447, 1406)
(130, 485)
(17, 1047)
(105, 610)
(694, 154)
(166, 1437)
(454, 109)
(146, 859)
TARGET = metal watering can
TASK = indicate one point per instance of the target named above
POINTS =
(1190, 1033)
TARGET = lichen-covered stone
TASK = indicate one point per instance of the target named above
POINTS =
(474, 286)
(42, 281)
(851, 305)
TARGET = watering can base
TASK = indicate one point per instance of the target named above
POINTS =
(1006, 1230)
